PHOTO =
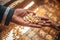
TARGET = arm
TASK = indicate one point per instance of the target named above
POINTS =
(6, 16)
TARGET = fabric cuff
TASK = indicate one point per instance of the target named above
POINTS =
(2, 10)
(9, 17)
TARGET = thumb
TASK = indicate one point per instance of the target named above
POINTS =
(29, 11)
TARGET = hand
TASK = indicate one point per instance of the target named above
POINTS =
(18, 18)
(44, 21)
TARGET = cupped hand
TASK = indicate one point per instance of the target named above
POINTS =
(18, 18)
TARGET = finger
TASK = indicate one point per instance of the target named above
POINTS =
(29, 11)
(46, 24)
(42, 18)
(34, 25)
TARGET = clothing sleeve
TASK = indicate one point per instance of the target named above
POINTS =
(6, 14)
